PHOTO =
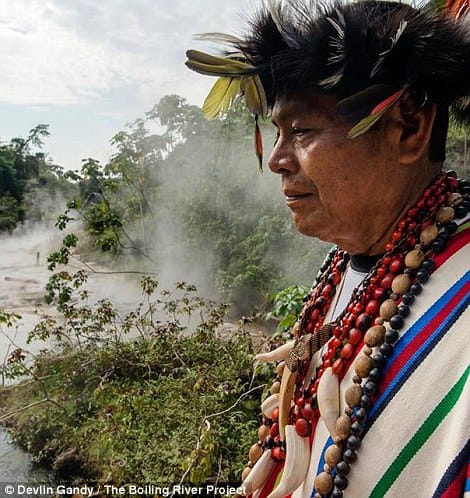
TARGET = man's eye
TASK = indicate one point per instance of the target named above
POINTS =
(276, 138)
(299, 131)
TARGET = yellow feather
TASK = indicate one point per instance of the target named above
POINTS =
(221, 97)
(367, 123)
(214, 65)
(255, 96)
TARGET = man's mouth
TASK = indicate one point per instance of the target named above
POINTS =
(292, 196)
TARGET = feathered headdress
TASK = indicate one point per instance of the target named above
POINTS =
(368, 54)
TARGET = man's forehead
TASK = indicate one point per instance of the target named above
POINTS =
(302, 103)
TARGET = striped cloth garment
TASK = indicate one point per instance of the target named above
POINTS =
(416, 443)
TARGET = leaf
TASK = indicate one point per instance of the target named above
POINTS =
(221, 97)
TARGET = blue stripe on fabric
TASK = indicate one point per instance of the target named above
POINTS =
(420, 354)
(454, 469)
(412, 364)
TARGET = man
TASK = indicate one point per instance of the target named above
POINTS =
(372, 397)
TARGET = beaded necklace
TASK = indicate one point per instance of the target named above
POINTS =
(372, 320)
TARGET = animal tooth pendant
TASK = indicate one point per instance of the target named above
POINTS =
(328, 398)
(269, 405)
(279, 354)
(296, 463)
(259, 474)
(301, 351)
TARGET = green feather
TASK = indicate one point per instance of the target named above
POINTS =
(367, 123)
(221, 97)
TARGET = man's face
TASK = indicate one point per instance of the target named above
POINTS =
(338, 189)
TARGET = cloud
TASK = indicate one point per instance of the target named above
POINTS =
(66, 52)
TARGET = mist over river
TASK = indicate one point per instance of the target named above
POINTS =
(23, 276)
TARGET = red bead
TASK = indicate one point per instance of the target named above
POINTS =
(363, 321)
(327, 290)
(300, 402)
(389, 247)
(275, 414)
(337, 366)
(347, 351)
(357, 309)
(396, 265)
(327, 363)
(372, 307)
(381, 272)
(355, 336)
(336, 277)
(411, 240)
(274, 431)
(386, 282)
(336, 343)
(402, 224)
(396, 235)
(308, 412)
(314, 314)
(309, 327)
(278, 454)
(378, 293)
(302, 427)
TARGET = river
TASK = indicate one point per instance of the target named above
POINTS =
(23, 275)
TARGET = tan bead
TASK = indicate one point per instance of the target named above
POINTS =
(342, 426)
(375, 336)
(454, 199)
(363, 366)
(429, 234)
(367, 350)
(445, 214)
(276, 387)
(263, 432)
(280, 368)
(323, 483)
(255, 452)
(333, 455)
(245, 473)
(353, 395)
(401, 284)
(414, 258)
(388, 308)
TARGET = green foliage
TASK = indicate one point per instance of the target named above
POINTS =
(156, 395)
(287, 305)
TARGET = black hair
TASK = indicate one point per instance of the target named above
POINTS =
(345, 48)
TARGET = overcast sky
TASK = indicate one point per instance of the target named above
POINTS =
(88, 67)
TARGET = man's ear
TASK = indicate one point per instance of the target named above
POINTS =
(413, 129)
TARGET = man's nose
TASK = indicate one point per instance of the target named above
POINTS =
(281, 160)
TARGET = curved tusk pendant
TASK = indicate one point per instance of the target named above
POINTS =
(259, 473)
(286, 394)
(328, 399)
(278, 354)
(269, 405)
(296, 464)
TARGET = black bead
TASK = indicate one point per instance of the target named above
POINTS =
(341, 482)
(361, 415)
(403, 310)
(429, 265)
(463, 183)
(391, 336)
(410, 272)
(365, 401)
(408, 299)
(422, 276)
(375, 375)
(353, 443)
(416, 288)
(320, 302)
(369, 387)
(460, 211)
(341, 265)
(342, 468)
(269, 442)
(386, 349)
(465, 190)
(397, 322)
(438, 245)
(451, 227)
(451, 173)
(444, 235)
(379, 360)
(356, 429)
(363, 322)
(337, 493)
(349, 456)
